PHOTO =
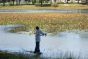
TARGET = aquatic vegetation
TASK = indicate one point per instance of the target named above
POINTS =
(49, 22)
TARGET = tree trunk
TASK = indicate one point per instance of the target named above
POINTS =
(33, 2)
(13, 2)
(41, 3)
(86, 1)
(78, 1)
(67, 1)
(19, 2)
(16, 2)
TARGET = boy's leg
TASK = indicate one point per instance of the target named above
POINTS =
(37, 48)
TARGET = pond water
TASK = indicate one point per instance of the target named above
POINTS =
(85, 11)
(53, 46)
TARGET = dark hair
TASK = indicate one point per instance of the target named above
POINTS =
(37, 27)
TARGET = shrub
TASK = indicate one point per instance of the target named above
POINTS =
(55, 5)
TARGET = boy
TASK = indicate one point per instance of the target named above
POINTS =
(38, 33)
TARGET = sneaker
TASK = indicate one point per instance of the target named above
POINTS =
(35, 52)
(39, 53)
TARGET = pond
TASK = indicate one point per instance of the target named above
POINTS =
(53, 46)
(85, 11)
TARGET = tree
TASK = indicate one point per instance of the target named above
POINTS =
(78, 1)
(45, 2)
(67, 1)
(33, 2)
(18, 2)
(13, 1)
(41, 1)
(3, 2)
(86, 1)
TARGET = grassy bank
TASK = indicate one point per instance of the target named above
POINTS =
(6, 55)
(18, 55)
(60, 6)
(49, 22)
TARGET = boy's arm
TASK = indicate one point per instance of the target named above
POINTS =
(42, 33)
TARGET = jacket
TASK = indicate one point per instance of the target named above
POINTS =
(38, 35)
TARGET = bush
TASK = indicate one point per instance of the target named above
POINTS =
(44, 5)
(55, 5)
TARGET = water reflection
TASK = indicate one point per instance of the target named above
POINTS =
(69, 41)
(45, 11)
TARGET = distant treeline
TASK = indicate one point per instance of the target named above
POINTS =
(19, 2)
(35, 2)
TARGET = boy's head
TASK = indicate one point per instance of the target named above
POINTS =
(37, 28)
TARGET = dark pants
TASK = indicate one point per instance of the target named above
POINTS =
(37, 47)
